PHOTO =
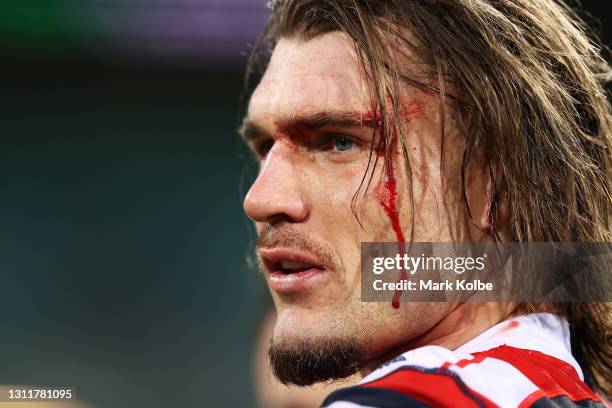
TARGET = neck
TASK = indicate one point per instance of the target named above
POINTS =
(461, 325)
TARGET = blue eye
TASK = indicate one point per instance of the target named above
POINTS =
(343, 144)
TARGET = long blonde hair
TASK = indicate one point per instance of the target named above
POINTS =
(528, 89)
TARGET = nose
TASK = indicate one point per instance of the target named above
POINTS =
(277, 193)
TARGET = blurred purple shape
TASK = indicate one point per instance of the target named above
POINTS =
(177, 31)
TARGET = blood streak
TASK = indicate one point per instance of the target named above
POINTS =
(389, 203)
(389, 200)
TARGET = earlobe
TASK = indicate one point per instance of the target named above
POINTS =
(482, 218)
(488, 207)
(503, 210)
(496, 208)
(478, 195)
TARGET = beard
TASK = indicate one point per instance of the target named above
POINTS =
(305, 364)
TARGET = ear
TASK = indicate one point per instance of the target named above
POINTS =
(503, 209)
(480, 193)
(483, 205)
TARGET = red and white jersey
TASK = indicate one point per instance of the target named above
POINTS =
(522, 362)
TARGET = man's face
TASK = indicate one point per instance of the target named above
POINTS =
(310, 121)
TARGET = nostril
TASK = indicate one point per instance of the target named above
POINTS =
(278, 219)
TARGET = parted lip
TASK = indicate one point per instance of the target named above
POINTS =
(272, 258)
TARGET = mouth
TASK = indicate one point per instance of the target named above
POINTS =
(291, 271)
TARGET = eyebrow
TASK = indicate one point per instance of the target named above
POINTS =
(250, 131)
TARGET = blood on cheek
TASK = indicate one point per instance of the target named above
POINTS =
(301, 132)
(388, 198)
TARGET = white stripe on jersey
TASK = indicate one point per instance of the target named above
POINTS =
(497, 380)
(346, 404)
(543, 332)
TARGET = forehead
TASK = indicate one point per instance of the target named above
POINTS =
(306, 76)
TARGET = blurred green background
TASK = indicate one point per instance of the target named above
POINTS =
(122, 241)
(123, 244)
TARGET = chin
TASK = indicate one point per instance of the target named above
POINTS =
(301, 324)
(307, 349)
